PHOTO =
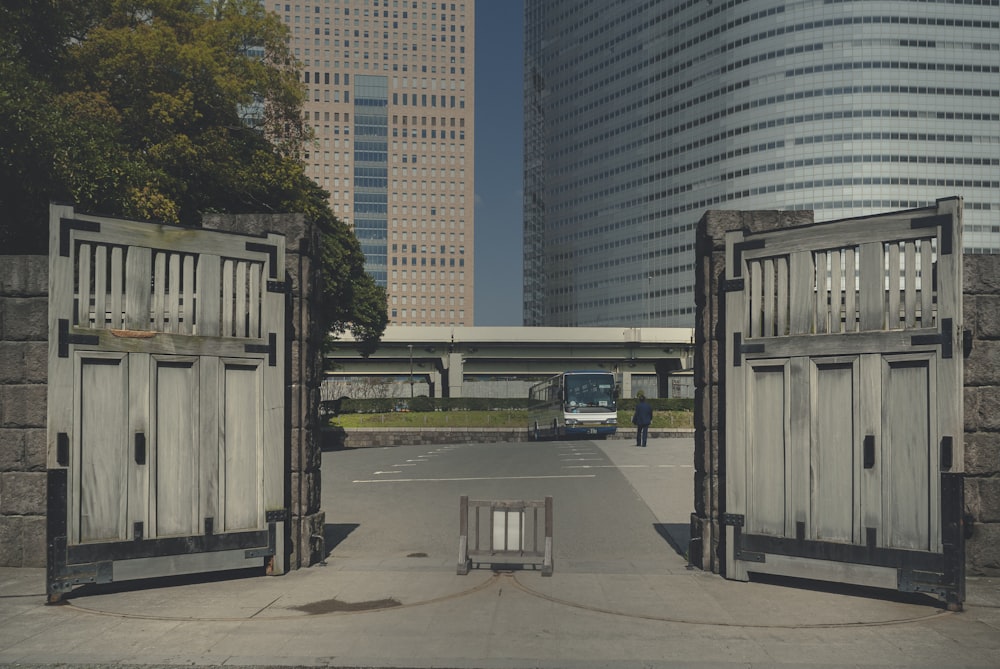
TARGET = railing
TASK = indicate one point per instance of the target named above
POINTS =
(508, 526)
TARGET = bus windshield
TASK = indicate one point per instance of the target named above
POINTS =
(590, 390)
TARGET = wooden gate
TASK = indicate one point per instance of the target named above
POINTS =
(843, 402)
(165, 401)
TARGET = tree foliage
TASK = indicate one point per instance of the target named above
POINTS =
(163, 110)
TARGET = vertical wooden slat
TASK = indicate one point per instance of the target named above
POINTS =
(871, 286)
(892, 322)
(117, 289)
(850, 290)
(84, 259)
(138, 265)
(240, 317)
(926, 284)
(174, 294)
(227, 298)
(187, 296)
(800, 292)
(254, 300)
(208, 316)
(159, 287)
(100, 287)
(175, 447)
(769, 297)
(756, 295)
(910, 284)
(782, 306)
(822, 293)
(836, 292)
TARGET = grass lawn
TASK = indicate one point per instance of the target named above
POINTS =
(509, 419)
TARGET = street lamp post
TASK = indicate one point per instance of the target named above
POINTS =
(410, 346)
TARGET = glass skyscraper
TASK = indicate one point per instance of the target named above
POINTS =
(389, 94)
(640, 116)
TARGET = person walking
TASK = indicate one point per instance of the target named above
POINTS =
(642, 417)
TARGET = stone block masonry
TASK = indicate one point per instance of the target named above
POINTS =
(981, 312)
(23, 376)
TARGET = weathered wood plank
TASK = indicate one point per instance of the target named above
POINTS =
(117, 267)
(767, 464)
(834, 514)
(187, 296)
(800, 293)
(769, 324)
(254, 301)
(138, 266)
(871, 277)
(926, 285)
(173, 293)
(850, 290)
(240, 318)
(209, 292)
(910, 284)
(892, 288)
(84, 259)
(175, 446)
(822, 293)
(100, 286)
(242, 412)
(227, 298)
(99, 478)
(755, 299)
(836, 292)
(783, 305)
(159, 289)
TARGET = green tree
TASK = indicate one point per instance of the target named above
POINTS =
(164, 110)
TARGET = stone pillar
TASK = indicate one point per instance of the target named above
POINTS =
(706, 551)
(23, 375)
(304, 343)
(981, 307)
(626, 389)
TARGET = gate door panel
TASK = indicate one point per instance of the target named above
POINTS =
(166, 401)
(843, 397)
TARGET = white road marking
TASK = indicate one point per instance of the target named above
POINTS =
(381, 472)
(479, 478)
(408, 464)
(625, 466)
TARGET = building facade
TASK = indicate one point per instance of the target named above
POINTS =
(390, 98)
(641, 116)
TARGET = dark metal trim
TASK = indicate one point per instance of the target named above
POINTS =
(65, 338)
(62, 449)
(277, 286)
(944, 221)
(276, 515)
(730, 285)
(736, 521)
(67, 225)
(869, 451)
(944, 338)
(272, 251)
(137, 531)
(127, 550)
(271, 348)
(140, 448)
(837, 552)
(946, 452)
(739, 248)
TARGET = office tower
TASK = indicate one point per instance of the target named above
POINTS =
(389, 95)
(640, 116)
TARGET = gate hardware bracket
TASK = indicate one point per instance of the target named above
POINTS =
(277, 286)
(271, 348)
(942, 220)
(68, 224)
(740, 247)
(65, 338)
(739, 349)
(736, 521)
(944, 339)
(966, 343)
(730, 285)
(272, 251)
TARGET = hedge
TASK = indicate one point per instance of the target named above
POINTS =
(423, 403)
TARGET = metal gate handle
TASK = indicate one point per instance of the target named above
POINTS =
(869, 454)
(140, 448)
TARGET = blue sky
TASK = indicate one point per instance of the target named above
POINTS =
(499, 147)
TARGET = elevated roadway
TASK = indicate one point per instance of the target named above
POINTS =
(505, 361)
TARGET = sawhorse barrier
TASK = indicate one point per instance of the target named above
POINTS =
(508, 527)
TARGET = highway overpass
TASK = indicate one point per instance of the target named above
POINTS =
(506, 361)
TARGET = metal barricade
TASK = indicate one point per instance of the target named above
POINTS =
(511, 533)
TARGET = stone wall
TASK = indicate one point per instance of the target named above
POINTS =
(303, 355)
(982, 413)
(23, 373)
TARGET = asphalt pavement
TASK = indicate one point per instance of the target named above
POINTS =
(621, 596)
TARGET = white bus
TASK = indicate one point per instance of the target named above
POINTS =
(574, 403)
